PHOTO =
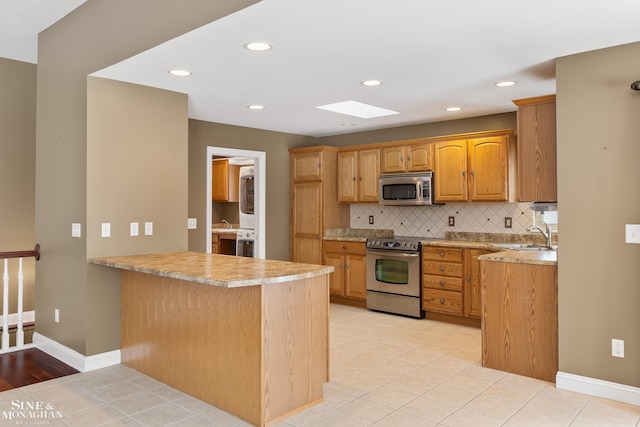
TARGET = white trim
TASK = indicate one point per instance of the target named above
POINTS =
(27, 317)
(73, 358)
(600, 388)
(261, 193)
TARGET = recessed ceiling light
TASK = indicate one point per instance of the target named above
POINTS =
(256, 107)
(258, 46)
(454, 108)
(357, 109)
(371, 83)
(180, 73)
(505, 83)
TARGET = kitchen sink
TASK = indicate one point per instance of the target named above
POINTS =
(523, 246)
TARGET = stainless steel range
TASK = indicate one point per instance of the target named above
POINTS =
(394, 276)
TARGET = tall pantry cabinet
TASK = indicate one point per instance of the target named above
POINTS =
(313, 201)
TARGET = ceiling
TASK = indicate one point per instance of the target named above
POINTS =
(430, 55)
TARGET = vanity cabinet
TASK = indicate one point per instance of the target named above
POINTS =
(407, 158)
(224, 181)
(358, 173)
(537, 163)
(223, 243)
(475, 169)
(451, 280)
(348, 260)
(313, 202)
(520, 318)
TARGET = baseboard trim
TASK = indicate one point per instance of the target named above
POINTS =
(73, 358)
(600, 388)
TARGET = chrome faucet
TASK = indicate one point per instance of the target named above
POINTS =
(224, 221)
(546, 234)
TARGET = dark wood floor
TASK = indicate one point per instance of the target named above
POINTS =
(30, 366)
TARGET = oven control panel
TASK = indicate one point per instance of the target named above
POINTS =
(394, 244)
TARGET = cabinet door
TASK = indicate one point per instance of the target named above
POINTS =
(451, 171)
(306, 166)
(419, 158)
(393, 159)
(306, 222)
(355, 273)
(368, 175)
(488, 169)
(537, 163)
(220, 180)
(336, 279)
(347, 180)
(472, 303)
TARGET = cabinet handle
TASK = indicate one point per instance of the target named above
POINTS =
(464, 174)
(442, 268)
(400, 158)
(441, 253)
(408, 158)
(347, 266)
(441, 300)
(473, 173)
(468, 278)
(360, 178)
(340, 265)
(354, 178)
(344, 247)
(441, 283)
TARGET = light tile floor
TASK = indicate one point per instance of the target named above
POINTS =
(386, 370)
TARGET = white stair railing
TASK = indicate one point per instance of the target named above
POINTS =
(5, 341)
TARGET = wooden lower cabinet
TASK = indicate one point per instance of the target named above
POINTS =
(349, 261)
(223, 243)
(520, 318)
(450, 281)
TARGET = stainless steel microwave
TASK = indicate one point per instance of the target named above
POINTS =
(407, 189)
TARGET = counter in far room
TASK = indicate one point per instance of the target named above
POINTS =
(249, 336)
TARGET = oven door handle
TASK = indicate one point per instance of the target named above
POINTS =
(392, 254)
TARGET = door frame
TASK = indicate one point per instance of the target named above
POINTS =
(260, 165)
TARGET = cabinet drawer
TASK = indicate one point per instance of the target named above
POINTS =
(442, 282)
(442, 254)
(442, 268)
(442, 301)
(337, 246)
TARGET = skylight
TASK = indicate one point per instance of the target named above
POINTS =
(357, 109)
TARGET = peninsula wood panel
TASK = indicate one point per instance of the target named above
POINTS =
(520, 318)
(236, 348)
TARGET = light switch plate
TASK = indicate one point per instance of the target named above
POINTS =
(76, 229)
(148, 228)
(192, 223)
(632, 233)
(133, 229)
(106, 229)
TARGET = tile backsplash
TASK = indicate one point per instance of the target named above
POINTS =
(433, 221)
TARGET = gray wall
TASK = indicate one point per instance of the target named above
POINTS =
(17, 170)
(598, 118)
(97, 34)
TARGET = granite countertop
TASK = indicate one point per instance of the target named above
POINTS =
(212, 269)
(486, 241)
(355, 234)
(224, 228)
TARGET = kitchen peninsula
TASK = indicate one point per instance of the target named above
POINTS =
(249, 336)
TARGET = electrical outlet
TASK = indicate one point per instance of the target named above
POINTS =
(632, 233)
(148, 228)
(452, 221)
(106, 229)
(617, 348)
(192, 223)
(56, 315)
(507, 222)
(76, 229)
(133, 229)
(370, 219)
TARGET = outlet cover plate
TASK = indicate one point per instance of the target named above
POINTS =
(632, 233)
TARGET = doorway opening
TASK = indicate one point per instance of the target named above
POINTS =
(260, 166)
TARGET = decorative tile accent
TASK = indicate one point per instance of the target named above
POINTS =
(433, 221)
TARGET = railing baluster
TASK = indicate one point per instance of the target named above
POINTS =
(5, 306)
(20, 330)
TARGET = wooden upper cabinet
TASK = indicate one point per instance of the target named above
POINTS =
(358, 173)
(225, 180)
(488, 173)
(347, 176)
(307, 165)
(537, 164)
(476, 169)
(368, 175)
(451, 171)
(407, 158)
